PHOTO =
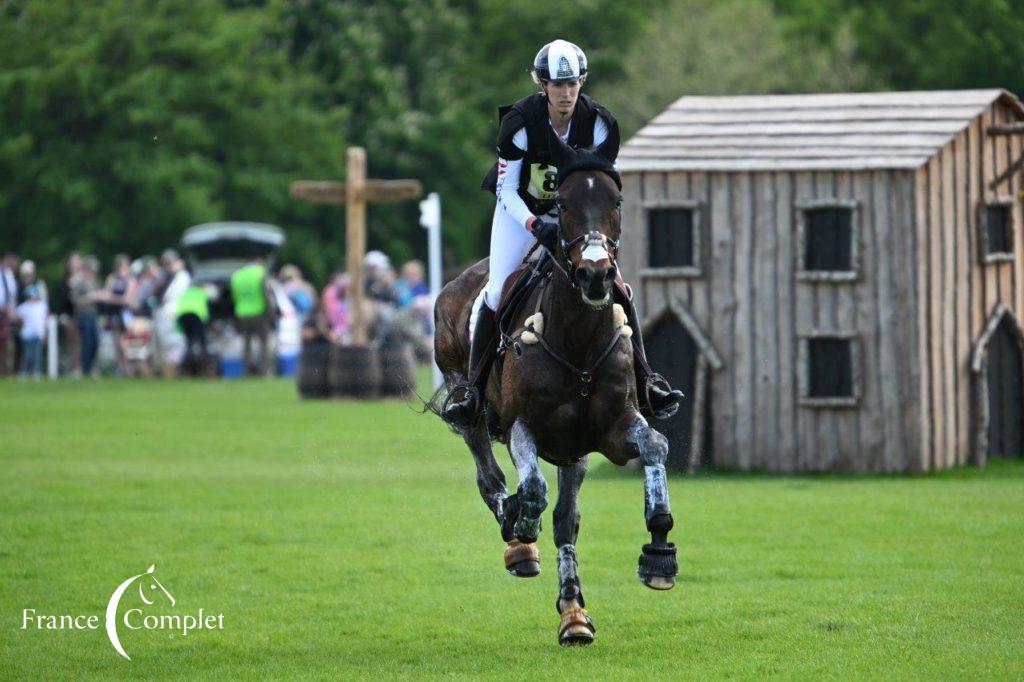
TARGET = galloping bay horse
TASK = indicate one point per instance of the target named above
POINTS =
(564, 388)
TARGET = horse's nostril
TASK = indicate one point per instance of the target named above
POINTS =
(582, 276)
(609, 274)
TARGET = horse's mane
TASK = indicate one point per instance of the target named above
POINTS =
(587, 159)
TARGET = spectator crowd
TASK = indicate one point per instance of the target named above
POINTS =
(149, 316)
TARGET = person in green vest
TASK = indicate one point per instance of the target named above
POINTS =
(250, 292)
(192, 314)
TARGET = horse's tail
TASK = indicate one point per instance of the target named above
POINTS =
(435, 404)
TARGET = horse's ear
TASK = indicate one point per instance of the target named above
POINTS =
(562, 155)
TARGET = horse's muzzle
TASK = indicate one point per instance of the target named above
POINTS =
(595, 282)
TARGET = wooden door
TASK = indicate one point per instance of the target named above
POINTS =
(672, 352)
(1005, 393)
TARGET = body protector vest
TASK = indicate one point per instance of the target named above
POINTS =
(538, 177)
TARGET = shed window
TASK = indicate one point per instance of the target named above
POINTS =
(673, 239)
(996, 225)
(827, 240)
(829, 369)
(670, 237)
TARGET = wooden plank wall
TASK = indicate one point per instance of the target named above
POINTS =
(962, 290)
(754, 311)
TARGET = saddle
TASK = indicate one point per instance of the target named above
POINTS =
(520, 285)
(517, 289)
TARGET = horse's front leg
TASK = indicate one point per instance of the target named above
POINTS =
(521, 522)
(575, 627)
(658, 566)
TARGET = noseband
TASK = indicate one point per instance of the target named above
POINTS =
(591, 238)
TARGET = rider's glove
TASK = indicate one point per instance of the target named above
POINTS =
(546, 233)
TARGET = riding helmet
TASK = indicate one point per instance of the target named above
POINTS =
(559, 62)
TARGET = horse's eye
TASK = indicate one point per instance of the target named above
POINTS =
(561, 205)
(618, 203)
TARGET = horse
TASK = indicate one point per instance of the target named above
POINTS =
(564, 387)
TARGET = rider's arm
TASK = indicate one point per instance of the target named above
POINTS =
(600, 130)
(507, 189)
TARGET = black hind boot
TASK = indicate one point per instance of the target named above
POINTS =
(462, 408)
(657, 398)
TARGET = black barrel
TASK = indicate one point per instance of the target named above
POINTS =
(354, 372)
(397, 371)
(312, 374)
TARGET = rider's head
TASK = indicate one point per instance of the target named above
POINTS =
(560, 68)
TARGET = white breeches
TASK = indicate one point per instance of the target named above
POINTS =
(510, 242)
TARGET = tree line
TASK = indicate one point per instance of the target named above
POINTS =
(122, 122)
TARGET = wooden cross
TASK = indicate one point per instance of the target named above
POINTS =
(355, 192)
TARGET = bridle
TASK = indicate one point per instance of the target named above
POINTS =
(592, 237)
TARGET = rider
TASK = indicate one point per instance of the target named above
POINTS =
(523, 180)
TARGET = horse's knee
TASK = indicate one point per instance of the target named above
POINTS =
(533, 495)
(653, 448)
(646, 443)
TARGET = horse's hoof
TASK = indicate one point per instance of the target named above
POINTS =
(575, 628)
(659, 582)
(522, 559)
(658, 567)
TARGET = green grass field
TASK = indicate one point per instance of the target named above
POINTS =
(347, 540)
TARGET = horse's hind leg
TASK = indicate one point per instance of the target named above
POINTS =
(521, 559)
(575, 626)
(489, 477)
(658, 566)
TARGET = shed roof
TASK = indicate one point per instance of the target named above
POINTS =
(846, 131)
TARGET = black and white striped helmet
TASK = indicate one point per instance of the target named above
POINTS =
(559, 62)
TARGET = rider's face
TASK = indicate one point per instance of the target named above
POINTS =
(562, 96)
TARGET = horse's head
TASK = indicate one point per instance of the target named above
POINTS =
(590, 219)
(148, 584)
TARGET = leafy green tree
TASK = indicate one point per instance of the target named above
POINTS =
(125, 122)
(925, 44)
(724, 47)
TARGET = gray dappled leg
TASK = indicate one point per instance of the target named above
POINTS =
(567, 528)
(657, 565)
(652, 448)
(533, 489)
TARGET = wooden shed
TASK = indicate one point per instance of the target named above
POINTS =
(834, 280)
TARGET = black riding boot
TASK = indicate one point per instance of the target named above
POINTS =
(657, 397)
(463, 406)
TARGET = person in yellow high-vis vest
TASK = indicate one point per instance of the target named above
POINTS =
(250, 292)
(192, 314)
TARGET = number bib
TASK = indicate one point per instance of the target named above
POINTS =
(543, 181)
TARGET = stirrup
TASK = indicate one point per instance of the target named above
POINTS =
(661, 382)
(465, 411)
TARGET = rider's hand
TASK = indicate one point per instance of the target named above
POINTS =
(546, 233)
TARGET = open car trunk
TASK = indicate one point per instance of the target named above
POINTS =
(215, 250)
